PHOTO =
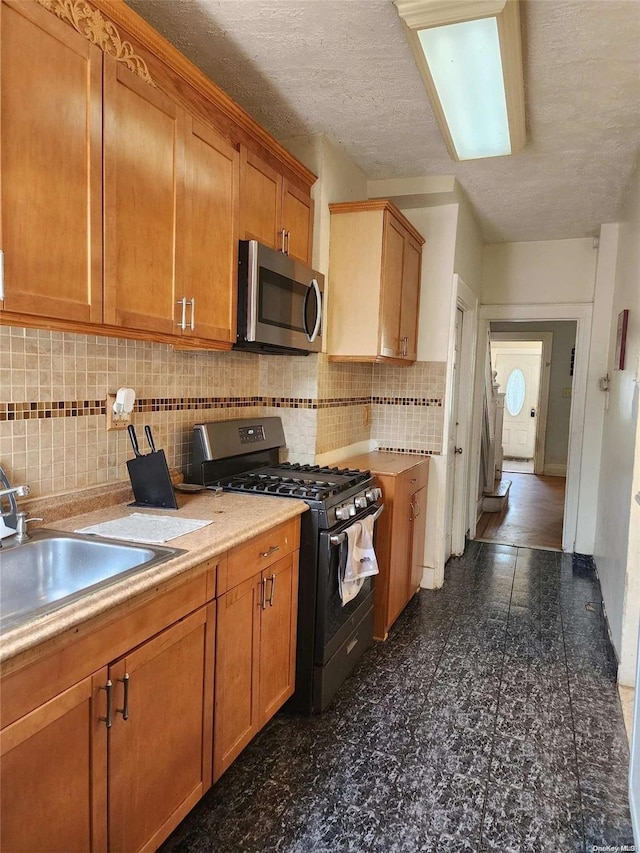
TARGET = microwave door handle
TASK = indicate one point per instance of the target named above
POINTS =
(316, 328)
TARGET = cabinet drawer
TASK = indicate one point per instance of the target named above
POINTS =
(258, 553)
(416, 478)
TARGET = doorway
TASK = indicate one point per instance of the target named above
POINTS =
(541, 438)
(522, 360)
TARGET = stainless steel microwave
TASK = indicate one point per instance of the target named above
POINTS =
(280, 302)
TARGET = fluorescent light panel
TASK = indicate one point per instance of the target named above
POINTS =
(466, 67)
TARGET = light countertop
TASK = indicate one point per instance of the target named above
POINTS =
(235, 519)
(383, 462)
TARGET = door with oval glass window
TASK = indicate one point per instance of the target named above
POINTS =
(518, 374)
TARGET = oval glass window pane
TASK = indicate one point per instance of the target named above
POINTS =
(514, 394)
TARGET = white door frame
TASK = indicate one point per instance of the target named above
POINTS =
(543, 394)
(582, 313)
(467, 301)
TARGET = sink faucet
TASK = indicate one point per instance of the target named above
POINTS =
(10, 492)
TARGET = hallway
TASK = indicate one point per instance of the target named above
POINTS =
(488, 721)
(533, 517)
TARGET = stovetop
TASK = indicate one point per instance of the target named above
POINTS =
(309, 482)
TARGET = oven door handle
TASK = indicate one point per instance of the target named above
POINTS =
(339, 538)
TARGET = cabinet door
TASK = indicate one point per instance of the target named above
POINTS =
(278, 635)
(260, 201)
(392, 263)
(143, 162)
(400, 566)
(51, 192)
(418, 528)
(53, 767)
(410, 303)
(237, 661)
(297, 221)
(159, 756)
(208, 233)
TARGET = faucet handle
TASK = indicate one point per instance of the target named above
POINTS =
(23, 519)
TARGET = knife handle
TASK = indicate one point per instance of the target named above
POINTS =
(134, 439)
(147, 432)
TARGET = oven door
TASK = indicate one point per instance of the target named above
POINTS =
(335, 621)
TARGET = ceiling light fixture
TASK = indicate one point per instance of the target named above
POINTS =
(469, 53)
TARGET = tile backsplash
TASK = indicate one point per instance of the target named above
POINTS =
(53, 387)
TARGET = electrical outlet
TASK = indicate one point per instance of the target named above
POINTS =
(117, 422)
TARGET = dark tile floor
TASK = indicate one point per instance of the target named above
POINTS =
(488, 721)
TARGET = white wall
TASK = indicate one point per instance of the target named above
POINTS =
(539, 272)
(616, 547)
(469, 255)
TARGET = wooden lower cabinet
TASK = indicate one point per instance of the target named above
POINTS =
(53, 774)
(105, 747)
(123, 755)
(255, 656)
(160, 740)
(399, 532)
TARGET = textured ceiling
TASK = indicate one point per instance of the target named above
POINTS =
(344, 68)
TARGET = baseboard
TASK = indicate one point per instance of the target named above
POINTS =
(554, 470)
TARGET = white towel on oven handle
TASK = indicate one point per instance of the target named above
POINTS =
(358, 560)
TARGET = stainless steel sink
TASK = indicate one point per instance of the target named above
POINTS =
(53, 569)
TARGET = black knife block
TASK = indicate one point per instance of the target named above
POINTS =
(151, 481)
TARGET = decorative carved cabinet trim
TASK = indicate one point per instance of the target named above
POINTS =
(91, 24)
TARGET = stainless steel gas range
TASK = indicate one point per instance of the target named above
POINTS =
(242, 456)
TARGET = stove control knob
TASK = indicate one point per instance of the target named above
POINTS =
(370, 495)
(377, 492)
(342, 512)
(351, 509)
(361, 502)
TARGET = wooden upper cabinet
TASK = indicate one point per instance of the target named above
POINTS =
(297, 222)
(393, 240)
(51, 169)
(274, 211)
(143, 165)
(207, 259)
(374, 277)
(260, 193)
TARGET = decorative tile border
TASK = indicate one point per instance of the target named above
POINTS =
(408, 401)
(409, 450)
(82, 408)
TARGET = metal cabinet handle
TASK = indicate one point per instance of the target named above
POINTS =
(108, 719)
(282, 238)
(417, 509)
(263, 594)
(273, 589)
(183, 320)
(411, 508)
(1, 274)
(193, 313)
(271, 551)
(125, 704)
(288, 236)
